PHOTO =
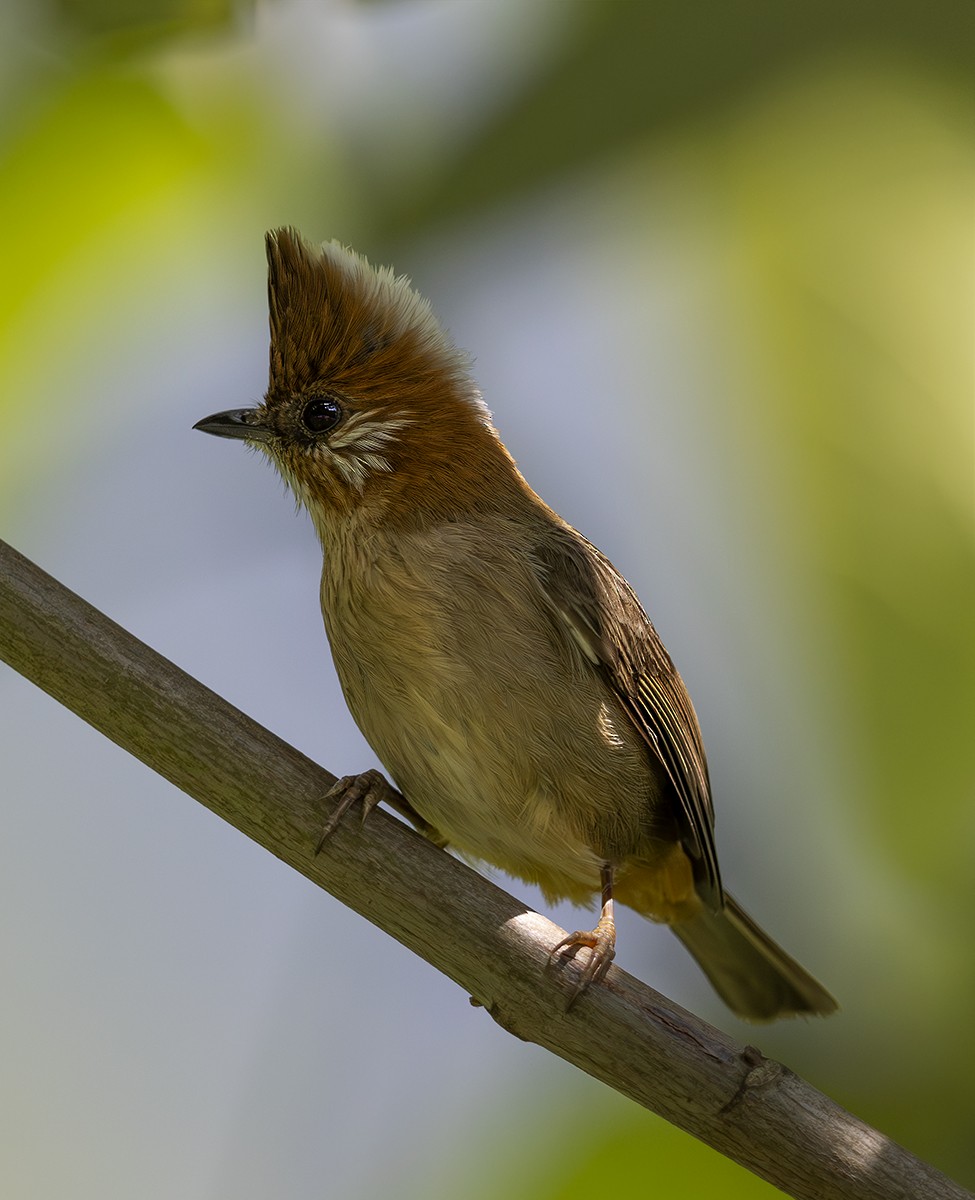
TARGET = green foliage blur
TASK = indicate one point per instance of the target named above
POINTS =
(817, 162)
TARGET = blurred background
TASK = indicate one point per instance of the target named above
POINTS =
(715, 264)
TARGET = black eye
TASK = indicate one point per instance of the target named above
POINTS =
(321, 414)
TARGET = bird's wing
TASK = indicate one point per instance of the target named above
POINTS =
(601, 613)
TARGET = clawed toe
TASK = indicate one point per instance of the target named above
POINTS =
(369, 787)
(601, 943)
(372, 788)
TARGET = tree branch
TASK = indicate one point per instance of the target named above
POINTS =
(748, 1107)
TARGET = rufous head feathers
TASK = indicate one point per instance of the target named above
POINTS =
(369, 402)
(339, 322)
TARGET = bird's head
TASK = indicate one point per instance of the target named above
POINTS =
(369, 405)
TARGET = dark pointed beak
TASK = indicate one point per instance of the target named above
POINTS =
(240, 423)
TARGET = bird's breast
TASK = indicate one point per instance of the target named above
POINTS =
(489, 720)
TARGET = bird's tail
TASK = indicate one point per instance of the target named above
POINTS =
(752, 975)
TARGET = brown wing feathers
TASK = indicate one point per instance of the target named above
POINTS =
(605, 617)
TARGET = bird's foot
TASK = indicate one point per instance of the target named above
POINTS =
(371, 788)
(601, 943)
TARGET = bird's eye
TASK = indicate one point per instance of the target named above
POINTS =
(321, 414)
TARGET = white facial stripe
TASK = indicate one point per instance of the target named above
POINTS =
(353, 453)
(352, 470)
(348, 428)
(362, 431)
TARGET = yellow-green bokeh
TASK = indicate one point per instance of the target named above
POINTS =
(813, 178)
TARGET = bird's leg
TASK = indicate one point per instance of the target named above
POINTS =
(600, 941)
(372, 788)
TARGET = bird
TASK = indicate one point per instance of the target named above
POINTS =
(499, 665)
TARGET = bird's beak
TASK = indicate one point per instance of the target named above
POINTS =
(240, 423)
